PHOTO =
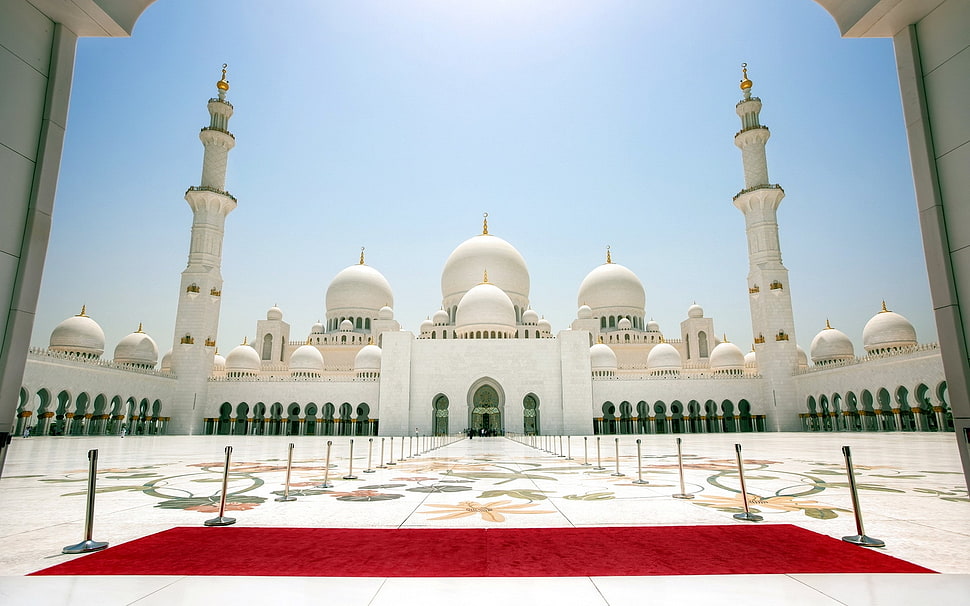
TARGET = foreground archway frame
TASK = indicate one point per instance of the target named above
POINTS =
(932, 45)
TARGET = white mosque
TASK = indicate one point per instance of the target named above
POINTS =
(485, 359)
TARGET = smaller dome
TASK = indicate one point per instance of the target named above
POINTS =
(137, 349)
(346, 325)
(751, 359)
(544, 325)
(78, 335)
(368, 358)
(530, 317)
(485, 304)
(274, 313)
(653, 326)
(385, 313)
(584, 312)
(218, 362)
(726, 356)
(888, 331)
(440, 318)
(243, 359)
(426, 326)
(306, 359)
(695, 311)
(802, 357)
(664, 357)
(317, 328)
(601, 357)
(831, 345)
(624, 324)
(166, 365)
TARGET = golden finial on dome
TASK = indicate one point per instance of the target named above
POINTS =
(485, 277)
(84, 311)
(745, 83)
(223, 84)
(485, 224)
(827, 325)
(245, 341)
(361, 255)
(609, 258)
(884, 310)
(725, 339)
(139, 328)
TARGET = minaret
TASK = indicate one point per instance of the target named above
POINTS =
(200, 292)
(771, 310)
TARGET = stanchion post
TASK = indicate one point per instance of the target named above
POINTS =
(599, 462)
(569, 448)
(88, 544)
(639, 479)
(326, 468)
(286, 485)
(585, 451)
(860, 537)
(616, 449)
(561, 455)
(370, 452)
(350, 470)
(222, 520)
(680, 467)
(381, 459)
(747, 515)
(401, 458)
(391, 462)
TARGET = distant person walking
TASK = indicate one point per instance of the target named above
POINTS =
(124, 430)
(27, 431)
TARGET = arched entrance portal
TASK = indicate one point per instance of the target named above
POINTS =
(485, 410)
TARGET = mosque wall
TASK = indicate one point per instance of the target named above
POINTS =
(516, 368)
(288, 392)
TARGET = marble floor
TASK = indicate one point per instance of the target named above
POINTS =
(912, 492)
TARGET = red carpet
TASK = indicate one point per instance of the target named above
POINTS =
(493, 552)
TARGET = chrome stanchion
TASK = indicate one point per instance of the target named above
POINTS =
(569, 448)
(286, 485)
(561, 455)
(585, 451)
(747, 515)
(370, 450)
(401, 458)
(381, 459)
(88, 544)
(616, 449)
(350, 470)
(680, 466)
(222, 520)
(860, 538)
(326, 468)
(599, 463)
(639, 479)
(391, 449)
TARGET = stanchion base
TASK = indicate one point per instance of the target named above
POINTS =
(682, 496)
(599, 469)
(392, 463)
(220, 521)
(324, 485)
(350, 477)
(370, 471)
(382, 467)
(570, 459)
(640, 482)
(748, 517)
(85, 547)
(617, 474)
(285, 499)
(585, 464)
(861, 539)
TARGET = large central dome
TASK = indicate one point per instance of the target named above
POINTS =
(505, 266)
(358, 289)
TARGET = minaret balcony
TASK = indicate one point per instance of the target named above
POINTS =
(771, 186)
(752, 135)
(218, 130)
(215, 191)
(749, 128)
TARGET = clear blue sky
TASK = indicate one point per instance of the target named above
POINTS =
(395, 124)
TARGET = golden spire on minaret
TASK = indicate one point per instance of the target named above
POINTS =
(485, 224)
(361, 255)
(609, 258)
(223, 84)
(745, 83)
